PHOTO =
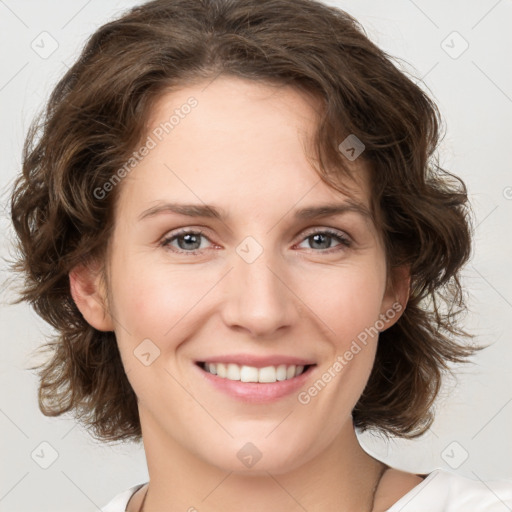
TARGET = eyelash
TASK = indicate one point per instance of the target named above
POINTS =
(345, 242)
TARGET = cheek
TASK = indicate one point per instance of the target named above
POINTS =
(151, 311)
(348, 304)
(156, 302)
(346, 301)
(150, 304)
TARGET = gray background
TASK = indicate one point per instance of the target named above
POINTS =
(473, 89)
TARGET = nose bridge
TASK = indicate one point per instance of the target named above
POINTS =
(258, 299)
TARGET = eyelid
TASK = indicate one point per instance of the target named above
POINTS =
(165, 241)
(343, 238)
(326, 229)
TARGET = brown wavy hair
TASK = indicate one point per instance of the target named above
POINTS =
(96, 116)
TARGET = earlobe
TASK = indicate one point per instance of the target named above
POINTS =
(90, 296)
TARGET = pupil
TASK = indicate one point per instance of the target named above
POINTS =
(188, 239)
(319, 236)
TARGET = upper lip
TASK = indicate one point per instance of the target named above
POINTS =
(258, 361)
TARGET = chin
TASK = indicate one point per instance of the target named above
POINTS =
(258, 458)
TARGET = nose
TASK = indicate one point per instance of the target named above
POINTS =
(259, 296)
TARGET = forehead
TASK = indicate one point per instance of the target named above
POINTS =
(235, 143)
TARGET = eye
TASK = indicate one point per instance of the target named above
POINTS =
(188, 241)
(322, 239)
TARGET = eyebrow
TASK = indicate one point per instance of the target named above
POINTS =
(209, 211)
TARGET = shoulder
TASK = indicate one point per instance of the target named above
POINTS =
(120, 502)
(393, 485)
(444, 490)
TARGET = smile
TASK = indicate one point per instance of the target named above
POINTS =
(243, 373)
(255, 379)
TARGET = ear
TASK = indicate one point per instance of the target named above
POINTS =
(89, 294)
(396, 295)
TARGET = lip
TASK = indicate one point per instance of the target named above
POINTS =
(258, 361)
(255, 392)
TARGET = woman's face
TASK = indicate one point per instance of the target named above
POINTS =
(266, 283)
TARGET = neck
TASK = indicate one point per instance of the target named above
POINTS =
(341, 477)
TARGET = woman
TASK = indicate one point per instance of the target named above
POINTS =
(233, 219)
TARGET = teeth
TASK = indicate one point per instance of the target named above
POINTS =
(221, 370)
(232, 371)
(281, 372)
(248, 374)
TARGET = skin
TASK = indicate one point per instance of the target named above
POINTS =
(242, 149)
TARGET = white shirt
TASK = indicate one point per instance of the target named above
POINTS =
(442, 490)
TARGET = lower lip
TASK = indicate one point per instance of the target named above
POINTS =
(256, 392)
